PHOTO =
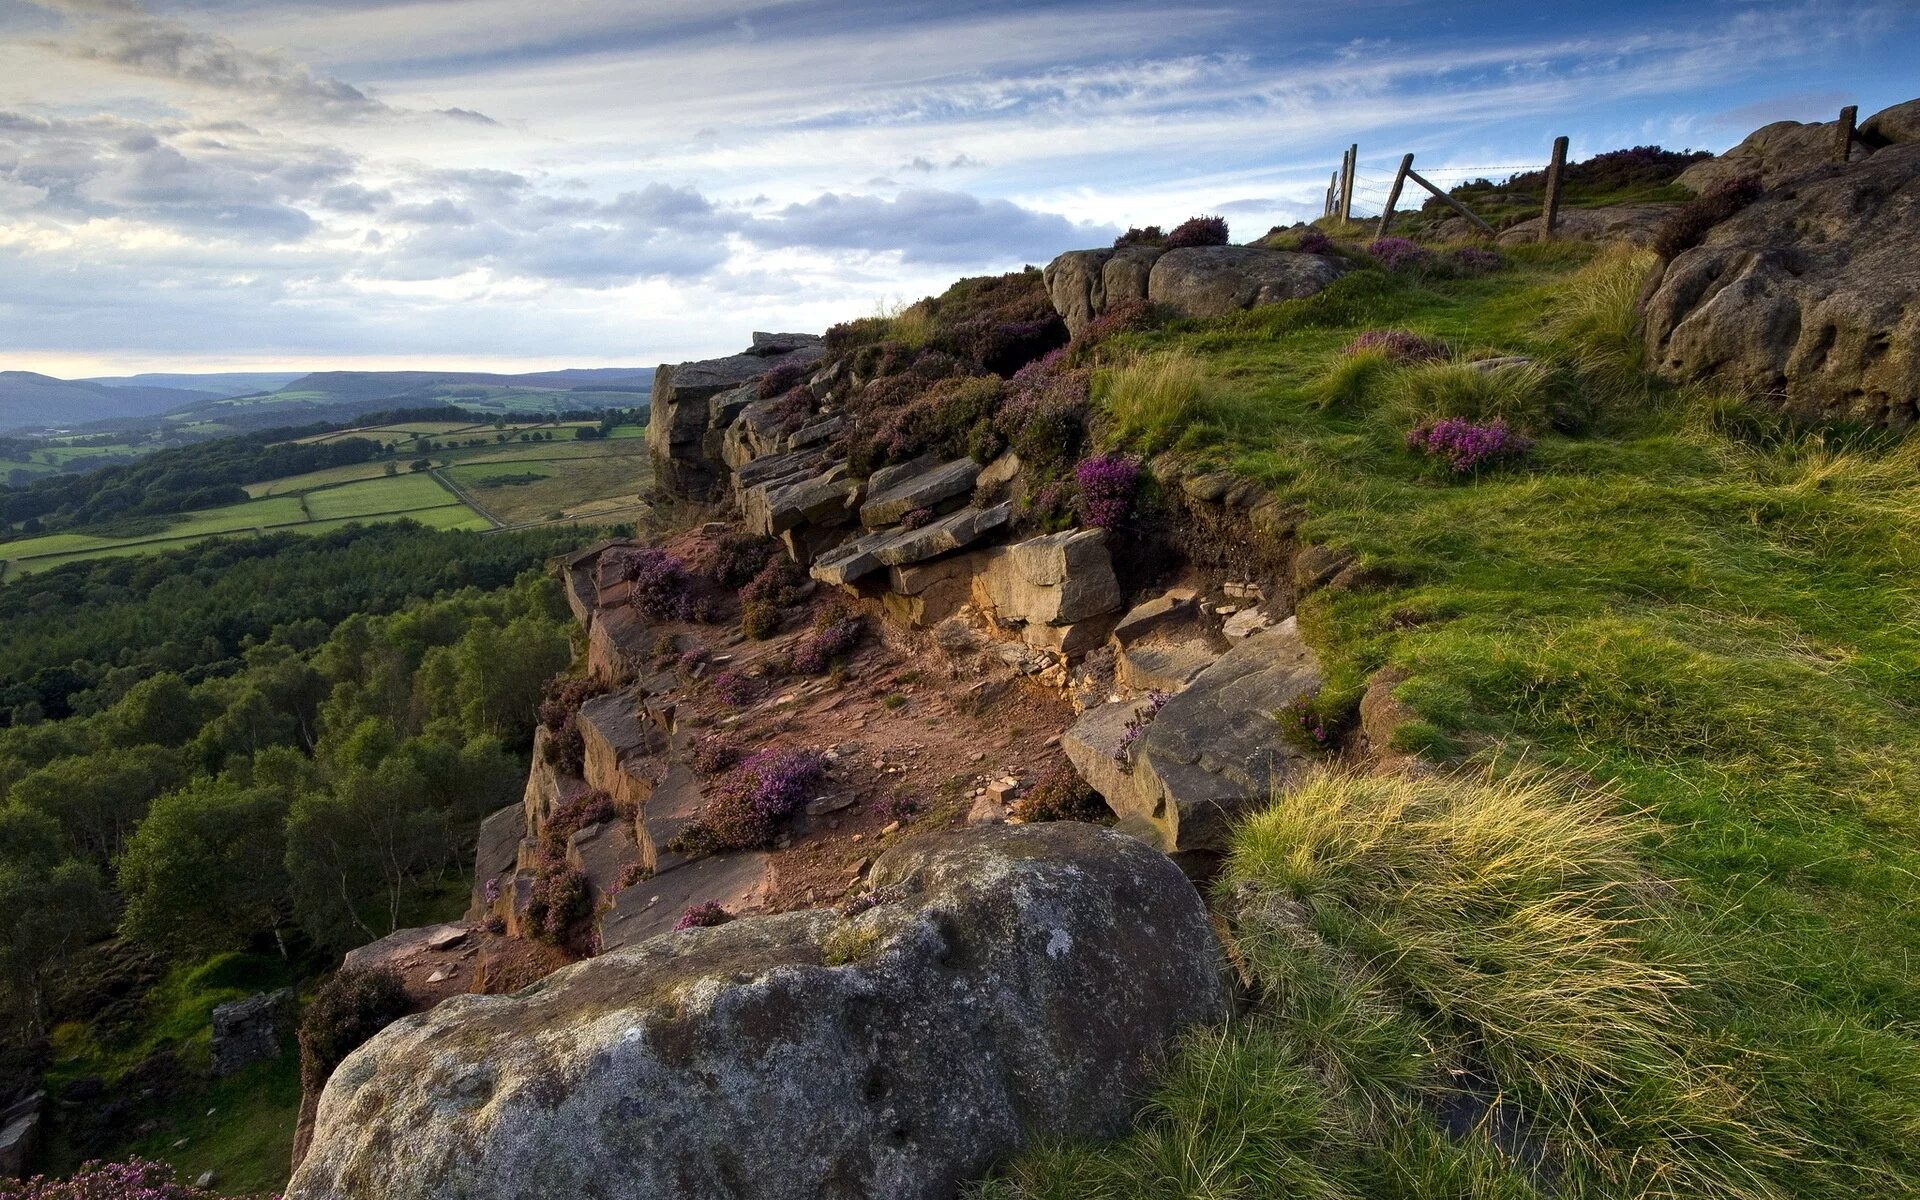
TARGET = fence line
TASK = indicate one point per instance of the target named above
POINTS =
(1342, 190)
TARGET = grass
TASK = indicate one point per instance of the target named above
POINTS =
(1679, 596)
(1152, 397)
(241, 1127)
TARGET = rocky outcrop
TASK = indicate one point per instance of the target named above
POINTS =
(1809, 298)
(251, 1030)
(1058, 590)
(1892, 126)
(1212, 751)
(1007, 985)
(20, 1134)
(1199, 281)
(1771, 153)
(855, 560)
(684, 412)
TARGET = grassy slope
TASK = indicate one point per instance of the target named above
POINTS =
(1710, 614)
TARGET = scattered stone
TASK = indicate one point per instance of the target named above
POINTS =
(822, 805)
(1245, 623)
(447, 938)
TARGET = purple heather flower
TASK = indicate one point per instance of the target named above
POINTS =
(704, 915)
(1398, 254)
(1465, 446)
(1315, 242)
(1107, 486)
(735, 689)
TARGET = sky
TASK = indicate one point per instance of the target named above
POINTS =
(527, 184)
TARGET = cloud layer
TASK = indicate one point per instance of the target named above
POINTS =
(592, 181)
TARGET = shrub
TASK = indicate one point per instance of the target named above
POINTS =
(1476, 260)
(712, 753)
(759, 621)
(1398, 254)
(784, 377)
(1061, 795)
(1051, 504)
(558, 901)
(1198, 231)
(704, 915)
(1136, 728)
(1044, 417)
(917, 518)
(731, 559)
(1303, 725)
(1401, 345)
(1130, 315)
(662, 585)
(1688, 225)
(133, 1179)
(1152, 400)
(1315, 242)
(1152, 235)
(895, 807)
(1466, 447)
(817, 652)
(735, 689)
(745, 806)
(1107, 486)
(345, 1011)
(690, 662)
(589, 808)
(630, 874)
(778, 583)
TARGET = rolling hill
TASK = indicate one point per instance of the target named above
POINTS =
(29, 400)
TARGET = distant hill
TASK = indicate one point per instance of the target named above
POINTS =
(32, 401)
(221, 402)
(218, 383)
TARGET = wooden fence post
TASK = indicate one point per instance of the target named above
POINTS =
(1393, 194)
(1333, 192)
(1458, 207)
(1550, 214)
(1346, 189)
(1848, 116)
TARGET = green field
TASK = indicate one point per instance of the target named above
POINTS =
(470, 487)
(315, 510)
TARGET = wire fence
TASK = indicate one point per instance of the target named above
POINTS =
(1370, 190)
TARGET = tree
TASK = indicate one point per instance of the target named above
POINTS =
(98, 798)
(206, 870)
(50, 906)
(355, 850)
(502, 673)
(160, 710)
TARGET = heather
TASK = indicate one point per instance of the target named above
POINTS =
(1689, 224)
(1108, 484)
(746, 805)
(826, 644)
(704, 915)
(1198, 231)
(1466, 446)
(134, 1179)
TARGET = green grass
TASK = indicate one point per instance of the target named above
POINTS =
(241, 1127)
(1679, 596)
(392, 494)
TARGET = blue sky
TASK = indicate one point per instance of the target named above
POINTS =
(516, 184)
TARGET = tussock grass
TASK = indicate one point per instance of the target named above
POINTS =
(1454, 996)
(1521, 394)
(1352, 381)
(1149, 400)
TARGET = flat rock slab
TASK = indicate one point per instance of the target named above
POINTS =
(893, 492)
(1009, 986)
(737, 882)
(1213, 751)
(496, 853)
(1057, 579)
(861, 557)
(1163, 666)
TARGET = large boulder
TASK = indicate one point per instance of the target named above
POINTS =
(1892, 126)
(1199, 281)
(1771, 153)
(1213, 281)
(1012, 984)
(252, 1030)
(1809, 298)
(1634, 223)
